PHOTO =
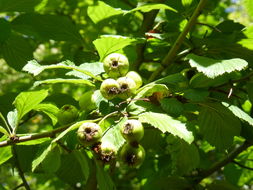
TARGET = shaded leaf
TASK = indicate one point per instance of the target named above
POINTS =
(56, 27)
(36, 162)
(5, 30)
(103, 178)
(17, 51)
(172, 106)
(184, 156)
(71, 170)
(196, 94)
(218, 125)
(18, 6)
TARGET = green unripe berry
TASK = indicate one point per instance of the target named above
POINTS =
(132, 130)
(132, 156)
(89, 134)
(87, 101)
(127, 87)
(109, 89)
(67, 114)
(107, 152)
(116, 65)
(136, 77)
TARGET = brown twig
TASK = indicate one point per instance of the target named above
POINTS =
(147, 23)
(169, 58)
(218, 165)
(17, 165)
(241, 165)
(16, 140)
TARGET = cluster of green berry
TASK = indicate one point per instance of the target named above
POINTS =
(132, 153)
(121, 84)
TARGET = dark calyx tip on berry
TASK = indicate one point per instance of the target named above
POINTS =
(128, 129)
(115, 63)
(113, 91)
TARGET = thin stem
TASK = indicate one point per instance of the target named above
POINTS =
(236, 81)
(20, 171)
(218, 165)
(169, 58)
(109, 115)
(210, 26)
(241, 165)
(33, 137)
(21, 185)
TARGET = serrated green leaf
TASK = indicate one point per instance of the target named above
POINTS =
(166, 123)
(218, 125)
(60, 80)
(172, 106)
(94, 68)
(213, 68)
(5, 154)
(107, 44)
(103, 178)
(152, 6)
(100, 11)
(33, 67)
(26, 101)
(114, 136)
(47, 27)
(49, 109)
(149, 89)
(239, 113)
(18, 6)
